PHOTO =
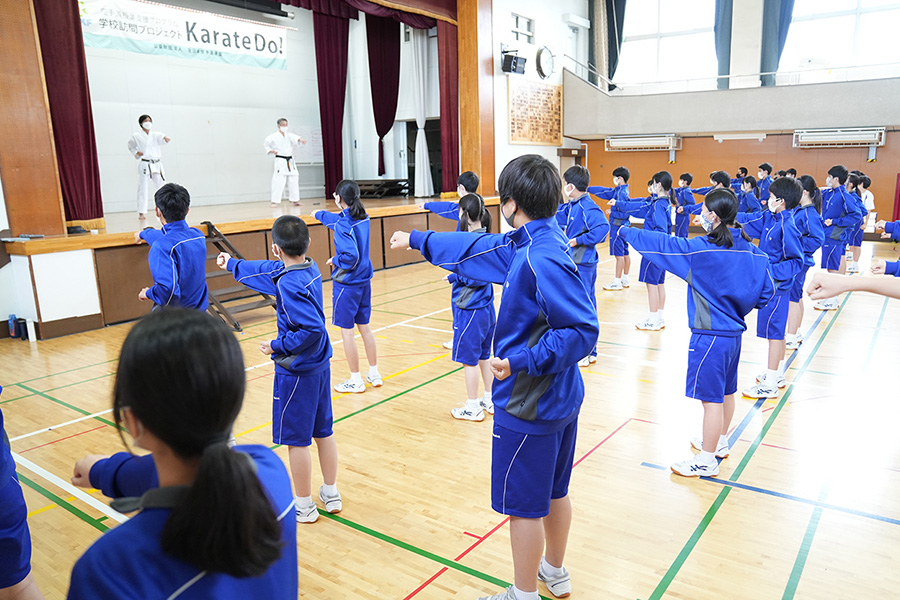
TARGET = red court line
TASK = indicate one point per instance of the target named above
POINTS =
(496, 528)
(61, 439)
(477, 537)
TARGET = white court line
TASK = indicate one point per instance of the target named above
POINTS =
(649, 363)
(427, 328)
(71, 489)
(85, 418)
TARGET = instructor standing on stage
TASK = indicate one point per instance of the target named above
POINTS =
(281, 145)
(146, 146)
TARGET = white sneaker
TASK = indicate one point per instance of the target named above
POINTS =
(348, 386)
(486, 405)
(559, 585)
(276, 203)
(448, 345)
(648, 325)
(780, 381)
(793, 343)
(625, 282)
(468, 413)
(585, 362)
(853, 268)
(721, 451)
(829, 304)
(763, 389)
(375, 379)
(693, 467)
(508, 594)
(592, 359)
(307, 514)
(615, 286)
(332, 503)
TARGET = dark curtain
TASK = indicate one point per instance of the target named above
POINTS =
(777, 16)
(331, 37)
(615, 19)
(724, 9)
(413, 20)
(332, 8)
(383, 41)
(448, 75)
(65, 71)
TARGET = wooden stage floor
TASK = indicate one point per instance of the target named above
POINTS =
(806, 506)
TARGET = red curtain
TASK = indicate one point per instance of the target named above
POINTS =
(333, 8)
(448, 76)
(65, 71)
(413, 20)
(383, 40)
(332, 35)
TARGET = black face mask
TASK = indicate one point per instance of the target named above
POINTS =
(509, 219)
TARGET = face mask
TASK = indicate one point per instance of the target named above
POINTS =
(828, 181)
(148, 125)
(760, 175)
(706, 223)
(772, 207)
(283, 128)
(509, 219)
(569, 189)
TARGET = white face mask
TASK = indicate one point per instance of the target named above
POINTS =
(282, 128)
(147, 125)
(771, 205)
(828, 181)
(761, 175)
(569, 189)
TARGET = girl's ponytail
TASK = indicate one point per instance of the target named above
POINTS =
(812, 190)
(349, 194)
(473, 209)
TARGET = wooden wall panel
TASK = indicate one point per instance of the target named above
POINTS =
(395, 258)
(436, 223)
(376, 244)
(700, 156)
(27, 155)
(122, 273)
(320, 249)
(476, 91)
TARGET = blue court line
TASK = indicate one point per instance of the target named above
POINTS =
(759, 490)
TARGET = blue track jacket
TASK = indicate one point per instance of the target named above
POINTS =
(812, 231)
(685, 198)
(128, 563)
(581, 219)
(546, 322)
(448, 210)
(779, 238)
(178, 263)
(892, 268)
(724, 284)
(7, 464)
(653, 209)
(617, 217)
(839, 206)
(471, 294)
(893, 228)
(763, 185)
(302, 346)
(351, 243)
(748, 202)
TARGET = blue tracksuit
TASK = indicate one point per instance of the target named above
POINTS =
(763, 185)
(748, 202)
(892, 268)
(855, 234)
(812, 236)
(178, 264)
(127, 562)
(617, 217)
(655, 212)
(839, 206)
(123, 474)
(685, 198)
(351, 243)
(582, 220)
(15, 539)
(779, 238)
(893, 229)
(301, 346)
(545, 325)
(474, 318)
(736, 184)
(448, 210)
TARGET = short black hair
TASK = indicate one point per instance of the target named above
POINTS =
(579, 176)
(291, 234)
(534, 183)
(173, 201)
(865, 181)
(742, 171)
(839, 171)
(622, 172)
(720, 177)
(781, 173)
(143, 118)
(788, 190)
(469, 181)
(686, 177)
(792, 172)
(766, 167)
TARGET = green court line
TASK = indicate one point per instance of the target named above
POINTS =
(805, 545)
(392, 312)
(57, 388)
(95, 523)
(64, 372)
(66, 404)
(711, 513)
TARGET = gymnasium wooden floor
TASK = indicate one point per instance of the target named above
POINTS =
(807, 506)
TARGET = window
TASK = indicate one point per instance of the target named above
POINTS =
(667, 40)
(522, 28)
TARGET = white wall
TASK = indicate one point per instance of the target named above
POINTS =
(550, 31)
(217, 115)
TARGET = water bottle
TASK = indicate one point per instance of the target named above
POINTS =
(13, 327)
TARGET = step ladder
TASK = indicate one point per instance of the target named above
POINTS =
(222, 301)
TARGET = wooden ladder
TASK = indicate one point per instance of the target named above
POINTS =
(221, 301)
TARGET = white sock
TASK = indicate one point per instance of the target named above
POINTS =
(550, 569)
(355, 377)
(781, 367)
(771, 376)
(520, 595)
(707, 458)
(654, 317)
(723, 441)
(660, 314)
(473, 403)
(487, 397)
(330, 490)
(302, 502)
(616, 280)
(373, 370)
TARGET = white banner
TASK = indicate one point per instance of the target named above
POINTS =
(151, 28)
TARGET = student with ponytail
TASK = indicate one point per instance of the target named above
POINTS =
(808, 219)
(220, 523)
(748, 197)
(727, 278)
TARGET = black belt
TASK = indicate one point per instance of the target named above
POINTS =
(287, 159)
(150, 160)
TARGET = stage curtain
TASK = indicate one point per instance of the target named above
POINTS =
(65, 71)
(424, 185)
(777, 16)
(722, 32)
(414, 20)
(331, 37)
(332, 8)
(615, 19)
(383, 41)
(448, 74)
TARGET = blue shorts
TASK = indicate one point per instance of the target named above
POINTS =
(799, 282)
(651, 274)
(301, 408)
(473, 334)
(772, 318)
(617, 244)
(857, 237)
(351, 304)
(712, 367)
(528, 470)
(832, 252)
(15, 541)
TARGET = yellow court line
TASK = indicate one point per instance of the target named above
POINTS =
(398, 373)
(38, 511)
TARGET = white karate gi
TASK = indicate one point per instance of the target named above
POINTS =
(149, 164)
(283, 146)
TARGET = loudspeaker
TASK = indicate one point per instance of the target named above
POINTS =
(513, 64)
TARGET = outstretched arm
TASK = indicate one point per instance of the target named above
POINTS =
(481, 256)
(829, 285)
